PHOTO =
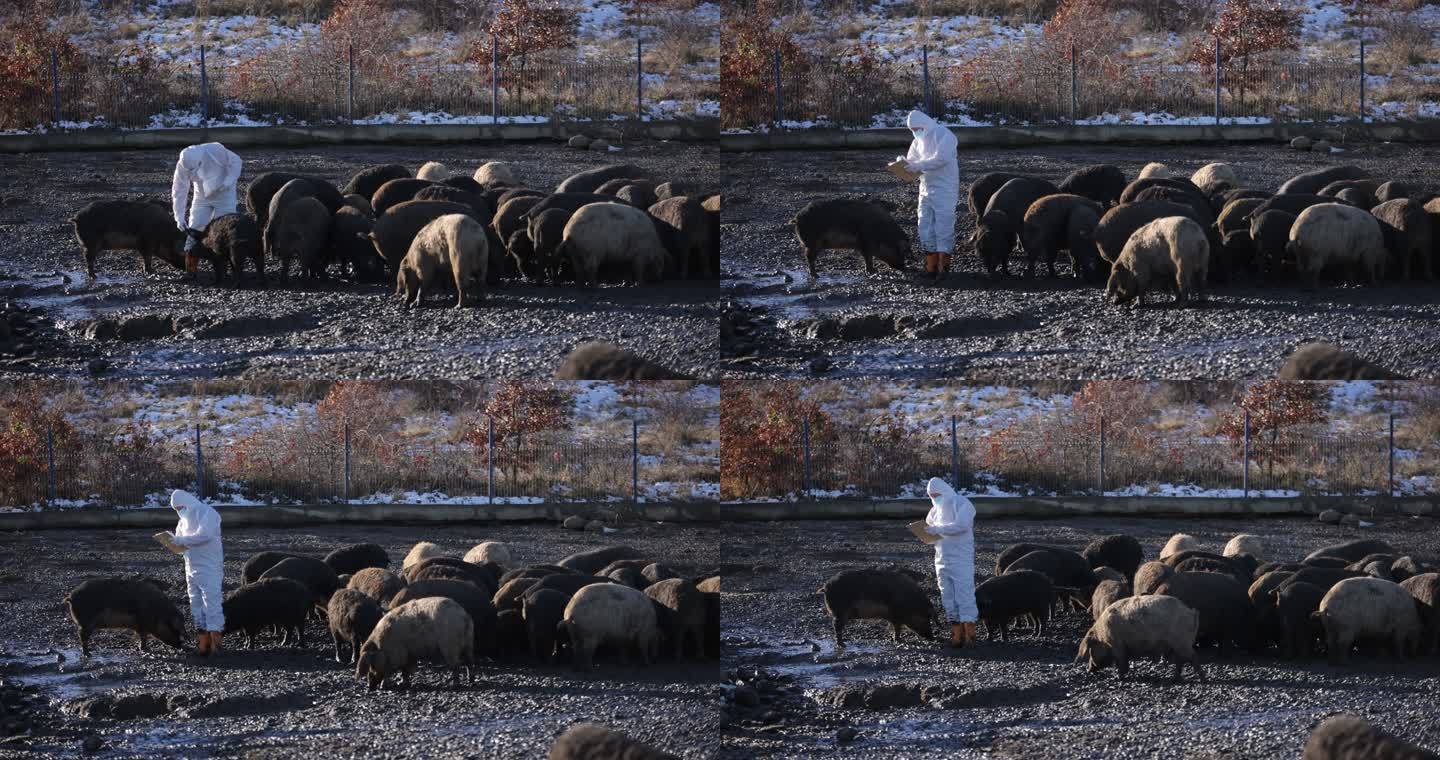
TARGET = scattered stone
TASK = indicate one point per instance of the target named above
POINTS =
(579, 141)
(820, 365)
(1321, 146)
(1350, 521)
(92, 743)
(594, 526)
(1301, 143)
(98, 367)
(574, 522)
(745, 696)
(846, 735)
(599, 145)
(1330, 516)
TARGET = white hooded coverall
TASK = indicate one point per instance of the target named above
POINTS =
(214, 174)
(199, 533)
(933, 153)
(952, 517)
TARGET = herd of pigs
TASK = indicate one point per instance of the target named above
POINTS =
(450, 610)
(1169, 233)
(1361, 592)
(434, 231)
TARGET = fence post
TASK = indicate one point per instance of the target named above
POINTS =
(1074, 93)
(925, 76)
(1217, 81)
(494, 79)
(805, 441)
(50, 459)
(1391, 488)
(1245, 478)
(350, 83)
(1362, 65)
(55, 87)
(489, 460)
(204, 91)
(775, 119)
(346, 491)
(639, 82)
(1100, 483)
(635, 461)
(954, 452)
(199, 466)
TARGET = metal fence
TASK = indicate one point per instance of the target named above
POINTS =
(850, 464)
(113, 471)
(1016, 88)
(92, 92)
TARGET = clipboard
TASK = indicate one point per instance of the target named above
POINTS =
(922, 532)
(164, 539)
(898, 169)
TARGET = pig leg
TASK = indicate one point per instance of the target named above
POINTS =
(1340, 653)
(149, 262)
(92, 252)
(1398, 645)
(335, 637)
(895, 632)
(810, 255)
(84, 635)
(840, 621)
(140, 639)
(1005, 631)
(459, 275)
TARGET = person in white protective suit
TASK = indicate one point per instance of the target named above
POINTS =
(198, 533)
(213, 173)
(932, 154)
(952, 517)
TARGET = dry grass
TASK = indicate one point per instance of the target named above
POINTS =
(1404, 42)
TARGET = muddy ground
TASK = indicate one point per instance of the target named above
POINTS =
(335, 329)
(895, 324)
(1025, 698)
(299, 703)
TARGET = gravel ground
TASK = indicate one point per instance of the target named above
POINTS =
(1010, 328)
(296, 703)
(1026, 698)
(336, 329)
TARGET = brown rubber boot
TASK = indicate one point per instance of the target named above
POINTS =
(957, 635)
(942, 265)
(215, 642)
(931, 262)
(968, 633)
(202, 643)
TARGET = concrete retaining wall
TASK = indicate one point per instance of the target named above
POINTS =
(1422, 131)
(1138, 506)
(241, 137)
